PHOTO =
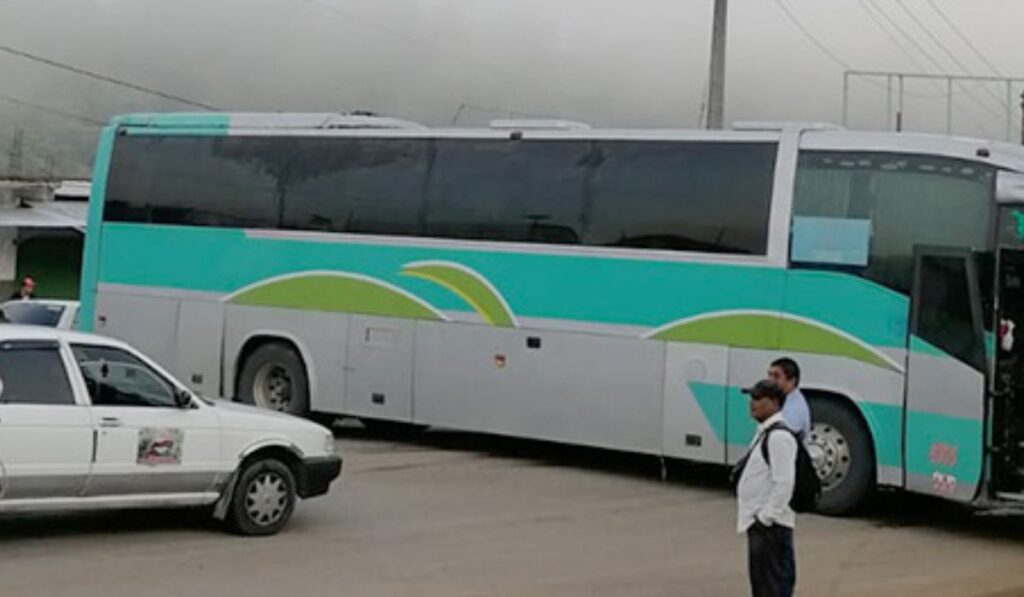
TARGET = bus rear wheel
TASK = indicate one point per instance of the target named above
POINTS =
(274, 377)
(840, 447)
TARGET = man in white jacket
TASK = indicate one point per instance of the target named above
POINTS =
(763, 496)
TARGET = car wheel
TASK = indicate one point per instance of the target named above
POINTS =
(263, 499)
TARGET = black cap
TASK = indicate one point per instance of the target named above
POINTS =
(766, 388)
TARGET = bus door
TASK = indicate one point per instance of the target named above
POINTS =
(1008, 381)
(944, 410)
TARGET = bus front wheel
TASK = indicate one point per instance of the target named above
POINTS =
(274, 377)
(840, 447)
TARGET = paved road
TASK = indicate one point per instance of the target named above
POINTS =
(459, 514)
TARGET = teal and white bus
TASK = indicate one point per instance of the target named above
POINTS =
(609, 288)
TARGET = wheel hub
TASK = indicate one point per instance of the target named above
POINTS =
(266, 499)
(830, 451)
(272, 387)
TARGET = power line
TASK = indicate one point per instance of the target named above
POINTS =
(895, 40)
(964, 38)
(47, 109)
(838, 60)
(907, 36)
(903, 49)
(913, 41)
(835, 58)
(105, 78)
(933, 37)
(810, 36)
(952, 56)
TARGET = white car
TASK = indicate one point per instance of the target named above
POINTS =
(50, 313)
(87, 422)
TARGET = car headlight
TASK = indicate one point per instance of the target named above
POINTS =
(329, 443)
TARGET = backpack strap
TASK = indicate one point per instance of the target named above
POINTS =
(764, 440)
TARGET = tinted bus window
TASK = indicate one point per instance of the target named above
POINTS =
(711, 197)
(371, 186)
(195, 181)
(529, 191)
(690, 196)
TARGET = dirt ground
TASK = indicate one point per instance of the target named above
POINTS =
(446, 513)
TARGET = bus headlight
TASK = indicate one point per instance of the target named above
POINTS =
(329, 443)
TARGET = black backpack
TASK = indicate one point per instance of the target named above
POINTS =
(806, 487)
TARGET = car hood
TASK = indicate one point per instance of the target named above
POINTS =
(234, 413)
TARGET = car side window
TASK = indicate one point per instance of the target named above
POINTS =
(118, 378)
(32, 372)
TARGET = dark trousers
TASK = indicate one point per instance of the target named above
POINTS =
(770, 560)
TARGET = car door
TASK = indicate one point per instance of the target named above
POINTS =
(146, 444)
(46, 432)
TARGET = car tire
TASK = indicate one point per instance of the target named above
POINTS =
(263, 498)
(841, 447)
(274, 377)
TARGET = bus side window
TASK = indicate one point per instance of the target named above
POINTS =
(908, 199)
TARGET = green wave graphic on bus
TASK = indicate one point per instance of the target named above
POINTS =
(772, 331)
(335, 291)
(469, 285)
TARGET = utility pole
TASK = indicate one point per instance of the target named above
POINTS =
(14, 158)
(51, 167)
(716, 86)
(899, 106)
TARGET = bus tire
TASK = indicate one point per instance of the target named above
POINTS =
(840, 446)
(274, 377)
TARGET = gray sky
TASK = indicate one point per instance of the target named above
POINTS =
(642, 63)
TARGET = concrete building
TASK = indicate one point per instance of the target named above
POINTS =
(42, 231)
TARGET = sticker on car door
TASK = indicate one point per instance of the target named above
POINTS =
(160, 446)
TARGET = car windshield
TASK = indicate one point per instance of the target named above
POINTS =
(29, 313)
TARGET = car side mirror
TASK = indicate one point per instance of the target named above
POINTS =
(183, 399)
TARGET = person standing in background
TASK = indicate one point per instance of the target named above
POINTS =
(786, 373)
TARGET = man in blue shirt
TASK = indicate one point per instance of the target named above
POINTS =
(786, 373)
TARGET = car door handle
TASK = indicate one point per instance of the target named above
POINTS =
(110, 422)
